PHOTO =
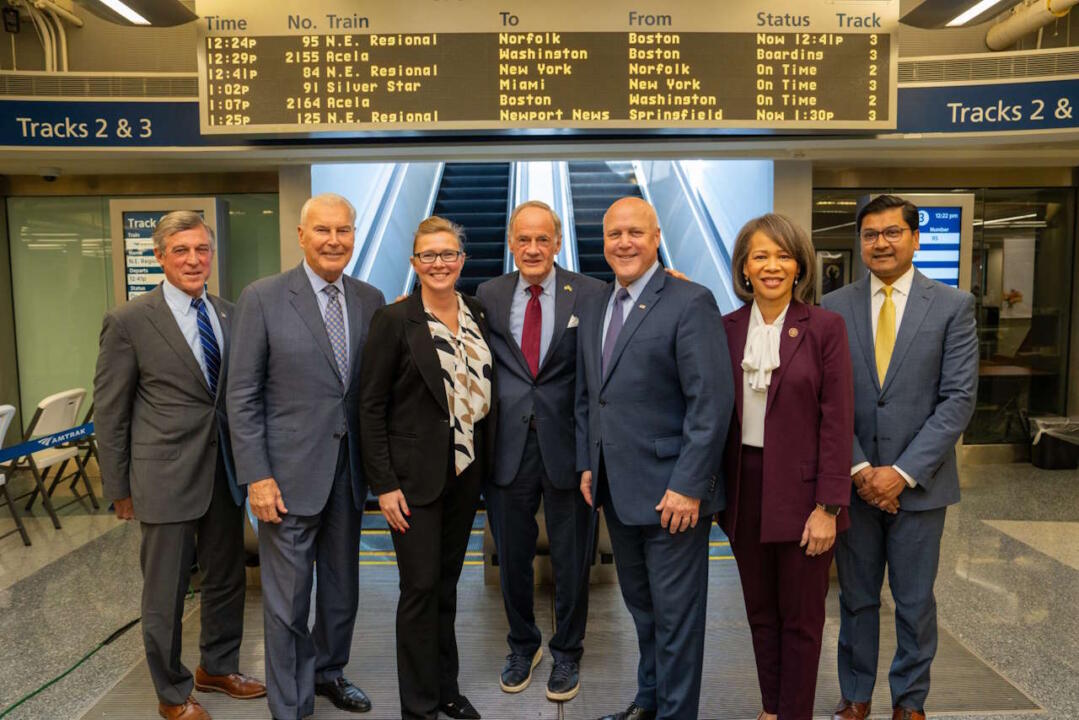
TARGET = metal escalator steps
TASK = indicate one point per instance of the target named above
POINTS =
(475, 195)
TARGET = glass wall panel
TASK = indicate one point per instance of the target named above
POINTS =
(62, 285)
(254, 239)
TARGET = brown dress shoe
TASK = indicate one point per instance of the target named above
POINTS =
(235, 685)
(902, 713)
(190, 710)
(850, 710)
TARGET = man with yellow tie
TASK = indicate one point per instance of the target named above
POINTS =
(914, 348)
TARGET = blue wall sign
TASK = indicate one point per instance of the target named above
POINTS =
(989, 107)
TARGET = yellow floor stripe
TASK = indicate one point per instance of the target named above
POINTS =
(379, 531)
(721, 557)
(719, 543)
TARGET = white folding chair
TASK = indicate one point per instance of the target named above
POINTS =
(54, 414)
(7, 414)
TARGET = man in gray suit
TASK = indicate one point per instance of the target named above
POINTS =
(914, 349)
(654, 398)
(533, 324)
(293, 406)
(163, 443)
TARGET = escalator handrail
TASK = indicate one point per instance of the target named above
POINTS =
(410, 279)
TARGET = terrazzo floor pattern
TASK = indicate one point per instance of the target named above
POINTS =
(1004, 606)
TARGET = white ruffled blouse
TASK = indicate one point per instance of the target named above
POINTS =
(759, 360)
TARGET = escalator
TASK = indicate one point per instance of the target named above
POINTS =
(594, 186)
(475, 196)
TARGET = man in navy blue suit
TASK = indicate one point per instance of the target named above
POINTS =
(654, 399)
(533, 321)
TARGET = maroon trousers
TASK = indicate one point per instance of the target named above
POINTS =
(784, 592)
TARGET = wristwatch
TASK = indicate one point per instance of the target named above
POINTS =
(832, 510)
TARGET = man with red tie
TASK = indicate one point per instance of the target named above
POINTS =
(533, 322)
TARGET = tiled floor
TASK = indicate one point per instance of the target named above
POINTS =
(1007, 595)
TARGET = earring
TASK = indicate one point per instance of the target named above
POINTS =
(749, 285)
(795, 282)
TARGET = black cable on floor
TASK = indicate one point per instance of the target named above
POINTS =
(107, 641)
(115, 635)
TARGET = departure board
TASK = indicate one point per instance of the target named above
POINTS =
(474, 65)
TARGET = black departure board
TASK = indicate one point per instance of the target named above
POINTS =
(361, 80)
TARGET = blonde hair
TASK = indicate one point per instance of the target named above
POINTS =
(788, 235)
(436, 224)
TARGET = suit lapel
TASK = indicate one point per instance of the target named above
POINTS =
(737, 330)
(790, 337)
(863, 326)
(423, 350)
(564, 302)
(162, 318)
(644, 304)
(500, 318)
(225, 322)
(356, 325)
(918, 303)
(306, 305)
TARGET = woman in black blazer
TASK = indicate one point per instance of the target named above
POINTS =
(427, 420)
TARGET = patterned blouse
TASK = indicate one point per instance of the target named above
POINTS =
(466, 372)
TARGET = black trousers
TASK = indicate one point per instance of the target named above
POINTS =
(511, 510)
(429, 558)
(168, 549)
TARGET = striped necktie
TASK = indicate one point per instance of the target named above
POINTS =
(211, 353)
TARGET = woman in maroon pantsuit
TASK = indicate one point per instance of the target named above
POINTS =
(788, 456)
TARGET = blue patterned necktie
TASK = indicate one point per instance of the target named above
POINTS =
(211, 353)
(335, 328)
(614, 327)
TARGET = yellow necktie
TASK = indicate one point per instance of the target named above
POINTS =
(885, 342)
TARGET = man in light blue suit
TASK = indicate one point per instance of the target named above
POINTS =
(915, 356)
(654, 399)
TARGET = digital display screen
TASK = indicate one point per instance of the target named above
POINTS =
(937, 256)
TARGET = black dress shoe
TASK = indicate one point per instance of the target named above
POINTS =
(633, 712)
(344, 695)
(460, 707)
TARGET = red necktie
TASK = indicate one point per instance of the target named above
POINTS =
(530, 333)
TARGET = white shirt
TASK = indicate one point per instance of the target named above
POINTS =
(634, 289)
(318, 284)
(188, 320)
(754, 402)
(900, 293)
(521, 296)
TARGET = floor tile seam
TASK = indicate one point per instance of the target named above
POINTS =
(120, 677)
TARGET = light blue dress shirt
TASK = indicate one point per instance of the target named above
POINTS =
(188, 320)
(635, 289)
(317, 284)
(521, 296)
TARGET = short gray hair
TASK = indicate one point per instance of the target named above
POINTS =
(540, 205)
(178, 221)
(327, 198)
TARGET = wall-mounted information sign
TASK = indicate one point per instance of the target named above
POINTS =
(135, 270)
(390, 65)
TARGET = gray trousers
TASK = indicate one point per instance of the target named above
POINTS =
(168, 550)
(289, 552)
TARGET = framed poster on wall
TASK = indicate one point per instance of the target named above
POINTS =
(833, 270)
(135, 269)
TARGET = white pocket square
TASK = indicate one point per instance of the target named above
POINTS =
(573, 322)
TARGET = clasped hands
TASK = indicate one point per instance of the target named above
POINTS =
(677, 512)
(880, 487)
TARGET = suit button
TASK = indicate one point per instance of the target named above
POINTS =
(880, 403)
(602, 402)
(524, 418)
(213, 441)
